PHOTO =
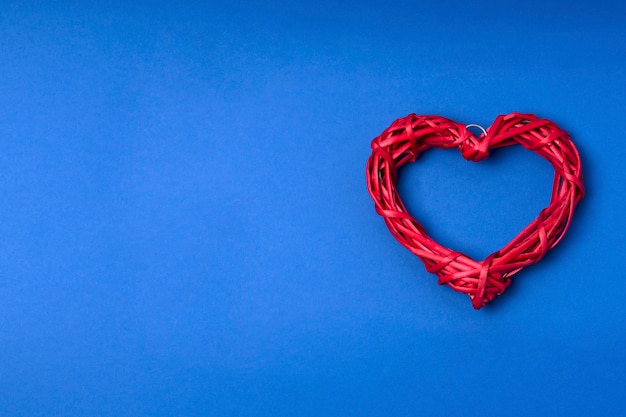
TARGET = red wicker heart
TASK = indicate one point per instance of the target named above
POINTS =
(482, 280)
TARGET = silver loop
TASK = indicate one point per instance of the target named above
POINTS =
(478, 127)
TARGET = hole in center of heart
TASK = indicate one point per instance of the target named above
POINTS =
(476, 208)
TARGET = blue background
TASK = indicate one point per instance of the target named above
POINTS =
(185, 228)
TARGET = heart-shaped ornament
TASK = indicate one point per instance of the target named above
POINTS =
(410, 136)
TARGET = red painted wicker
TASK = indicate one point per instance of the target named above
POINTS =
(410, 136)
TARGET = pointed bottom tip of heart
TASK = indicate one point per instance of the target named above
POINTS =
(480, 302)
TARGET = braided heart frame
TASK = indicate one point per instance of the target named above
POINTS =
(410, 136)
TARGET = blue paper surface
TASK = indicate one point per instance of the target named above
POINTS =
(185, 228)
